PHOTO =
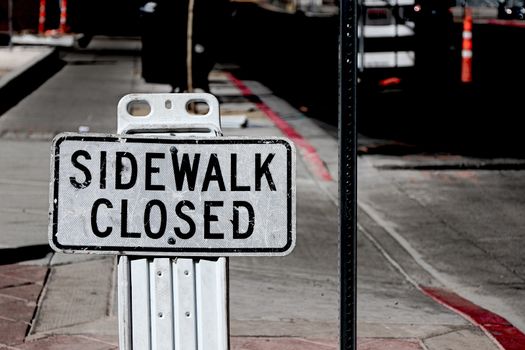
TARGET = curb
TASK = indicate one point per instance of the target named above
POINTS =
(309, 152)
(497, 328)
(24, 79)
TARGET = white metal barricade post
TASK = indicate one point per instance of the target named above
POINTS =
(172, 303)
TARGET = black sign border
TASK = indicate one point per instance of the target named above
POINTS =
(133, 139)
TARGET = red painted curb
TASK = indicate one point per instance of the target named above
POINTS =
(501, 330)
(506, 23)
(308, 151)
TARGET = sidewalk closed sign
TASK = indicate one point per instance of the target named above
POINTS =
(124, 194)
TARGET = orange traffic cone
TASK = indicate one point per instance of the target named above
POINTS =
(63, 16)
(466, 51)
(42, 17)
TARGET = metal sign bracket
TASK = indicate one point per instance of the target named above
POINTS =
(172, 303)
(170, 114)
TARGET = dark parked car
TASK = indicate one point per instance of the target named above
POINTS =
(511, 9)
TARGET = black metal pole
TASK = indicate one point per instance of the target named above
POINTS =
(347, 171)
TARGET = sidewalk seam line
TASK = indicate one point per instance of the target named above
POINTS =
(94, 339)
(422, 344)
(387, 256)
(13, 320)
(12, 297)
(9, 346)
(39, 301)
(413, 253)
(59, 330)
(308, 341)
(22, 284)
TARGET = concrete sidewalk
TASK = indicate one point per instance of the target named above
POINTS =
(68, 301)
(15, 61)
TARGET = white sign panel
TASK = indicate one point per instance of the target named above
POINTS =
(169, 196)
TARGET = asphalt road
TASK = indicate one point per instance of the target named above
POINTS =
(465, 223)
(443, 172)
(450, 200)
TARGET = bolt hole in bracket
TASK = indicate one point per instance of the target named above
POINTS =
(185, 114)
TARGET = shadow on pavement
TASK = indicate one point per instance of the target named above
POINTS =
(28, 81)
(15, 255)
